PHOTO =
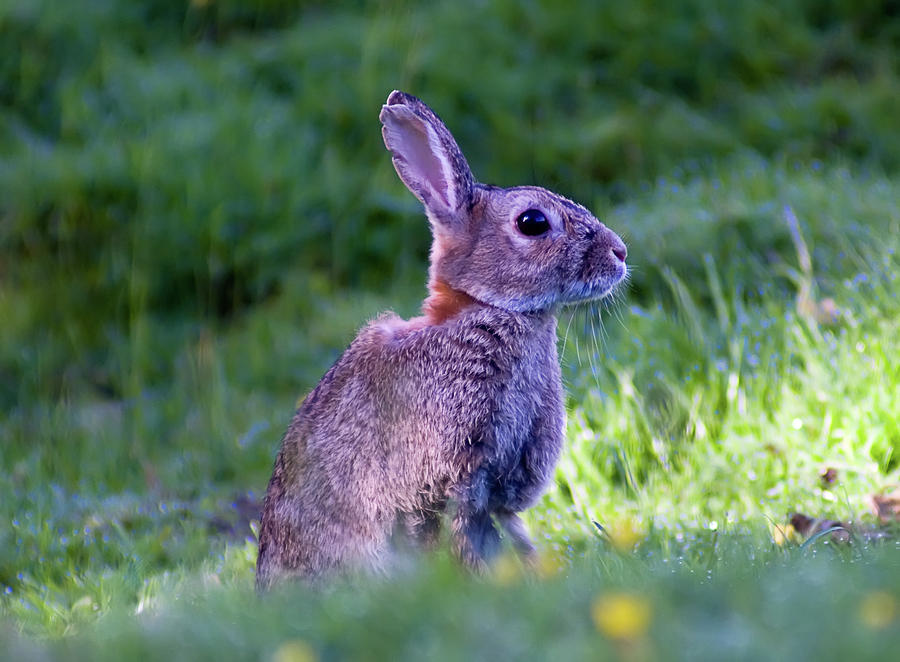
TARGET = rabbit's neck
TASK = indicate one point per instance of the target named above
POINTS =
(444, 302)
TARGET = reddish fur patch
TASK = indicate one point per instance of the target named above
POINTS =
(444, 302)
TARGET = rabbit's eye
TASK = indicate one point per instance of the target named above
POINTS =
(532, 223)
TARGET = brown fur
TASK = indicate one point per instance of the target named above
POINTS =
(444, 302)
(462, 405)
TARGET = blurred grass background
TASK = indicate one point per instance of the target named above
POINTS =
(197, 212)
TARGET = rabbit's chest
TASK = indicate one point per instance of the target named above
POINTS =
(530, 394)
(525, 432)
(495, 408)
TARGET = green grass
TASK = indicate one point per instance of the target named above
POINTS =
(742, 601)
(196, 214)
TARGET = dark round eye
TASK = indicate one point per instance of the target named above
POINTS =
(532, 223)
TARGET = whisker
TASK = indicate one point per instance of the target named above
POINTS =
(568, 326)
(615, 307)
(598, 350)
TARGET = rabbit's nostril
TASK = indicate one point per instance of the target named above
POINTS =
(620, 252)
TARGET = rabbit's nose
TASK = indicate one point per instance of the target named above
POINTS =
(618, 249)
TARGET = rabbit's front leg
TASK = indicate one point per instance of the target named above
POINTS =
(475, 540)
(515, 528)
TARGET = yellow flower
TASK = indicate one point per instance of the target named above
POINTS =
(625, 534)
(506, 570)
(621, 616)
(877, 610)
(294, 650)
(785, 534)
(549, 565)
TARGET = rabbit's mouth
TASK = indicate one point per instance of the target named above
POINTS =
(599, 288)
(589, 294)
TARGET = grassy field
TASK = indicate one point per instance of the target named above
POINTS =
(197, 213)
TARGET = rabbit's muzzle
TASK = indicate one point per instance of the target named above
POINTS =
(603, 263)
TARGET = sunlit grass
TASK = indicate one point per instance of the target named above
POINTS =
(706, 420)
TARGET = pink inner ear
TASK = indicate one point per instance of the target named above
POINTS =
(419, 166)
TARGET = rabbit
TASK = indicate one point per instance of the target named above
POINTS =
(461, 406)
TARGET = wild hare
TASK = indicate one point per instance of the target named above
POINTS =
(462, 405)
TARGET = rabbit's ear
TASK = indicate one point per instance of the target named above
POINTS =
(426, 156)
